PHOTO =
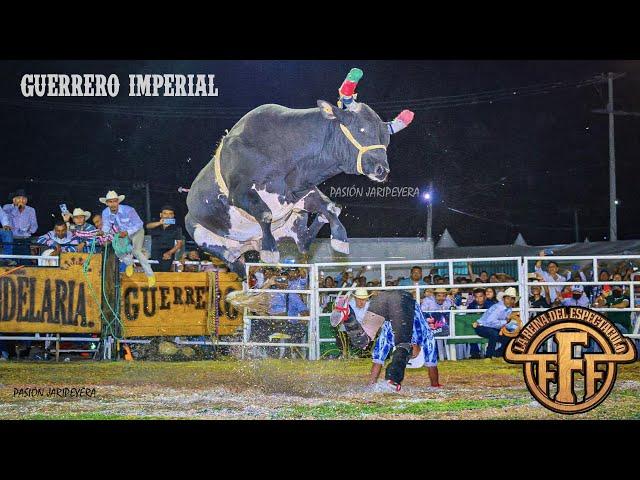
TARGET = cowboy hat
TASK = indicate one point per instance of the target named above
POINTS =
(440, 290)
(361, 293)
(111, 195)
(21, 192)
(577, 288)
(78, 212)
(509, 292)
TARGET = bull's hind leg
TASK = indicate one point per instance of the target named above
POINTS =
(319, 203)
(211, 243)
(258, 209)
(303, 235)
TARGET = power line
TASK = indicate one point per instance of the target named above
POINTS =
(229, 113)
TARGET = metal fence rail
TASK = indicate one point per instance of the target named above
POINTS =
(522, 265)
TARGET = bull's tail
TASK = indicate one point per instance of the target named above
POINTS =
(256, 302)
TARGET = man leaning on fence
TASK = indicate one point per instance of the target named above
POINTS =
(124, 222)
(6, 238)
(60, 239)
(23, 223)
(490, 325)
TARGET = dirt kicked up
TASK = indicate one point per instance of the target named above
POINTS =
(281, 389)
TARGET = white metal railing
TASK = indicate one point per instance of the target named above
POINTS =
(447, 264)
(520, 265)
(596, 260)
(312, 344)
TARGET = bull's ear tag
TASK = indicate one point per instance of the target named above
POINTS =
(326, 109)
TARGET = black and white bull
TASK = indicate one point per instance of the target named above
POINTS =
(261, 185)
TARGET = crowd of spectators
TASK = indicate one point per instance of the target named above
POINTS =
(75, 231)
(284, 305)
(503, 300)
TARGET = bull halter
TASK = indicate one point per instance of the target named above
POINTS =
(361, 150)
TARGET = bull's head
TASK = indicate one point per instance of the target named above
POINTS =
(361, 138)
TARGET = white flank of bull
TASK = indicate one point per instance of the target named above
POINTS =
(202, 235)
(243, 226)
(278, 209)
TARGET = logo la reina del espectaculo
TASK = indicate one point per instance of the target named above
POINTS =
(581, 372)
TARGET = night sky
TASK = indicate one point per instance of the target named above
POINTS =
(521, 163)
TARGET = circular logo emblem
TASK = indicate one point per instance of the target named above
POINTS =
(570, 357)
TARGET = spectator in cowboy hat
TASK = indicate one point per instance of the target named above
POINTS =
(79, 227)
(77, 220)
(438, 302)
(124, 221)
(491, 322)
(23, 222)
(360, 303)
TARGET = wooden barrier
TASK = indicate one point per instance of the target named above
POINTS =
(59, 300)
(177, 305)
(51, 299)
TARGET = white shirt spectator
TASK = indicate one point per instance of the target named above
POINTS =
(554, 290)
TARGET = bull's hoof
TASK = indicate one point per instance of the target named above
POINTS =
(269, 257)
(340, 246)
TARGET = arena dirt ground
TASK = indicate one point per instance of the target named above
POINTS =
(285, 389)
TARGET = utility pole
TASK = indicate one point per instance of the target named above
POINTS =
(429, 198)
(613, 201)
(148, 201)
(429, 210)
(613, 217)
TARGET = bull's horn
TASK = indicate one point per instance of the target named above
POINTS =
(400, 122)
(348, 88)
(256, 302)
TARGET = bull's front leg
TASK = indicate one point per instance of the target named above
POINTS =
(257, 208)
(318, 202)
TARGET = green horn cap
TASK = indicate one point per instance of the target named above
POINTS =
(355, 74)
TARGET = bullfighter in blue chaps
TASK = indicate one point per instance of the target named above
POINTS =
(403, 333)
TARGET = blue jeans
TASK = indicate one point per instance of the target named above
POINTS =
(4, 348)
(493, 335)
(6, 238)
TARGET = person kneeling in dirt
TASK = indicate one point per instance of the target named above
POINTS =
(396, 312)
(421, 339)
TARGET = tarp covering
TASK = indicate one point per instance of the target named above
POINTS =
(520, 240)
(416, 248)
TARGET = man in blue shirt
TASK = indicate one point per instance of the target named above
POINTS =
(415, 278)
(479, 302)
(123, 221)
(23, 223)
(296, 307)
(490, 324)
(437, 311)
(6, 237)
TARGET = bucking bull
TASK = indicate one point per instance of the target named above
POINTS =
(261, 184)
